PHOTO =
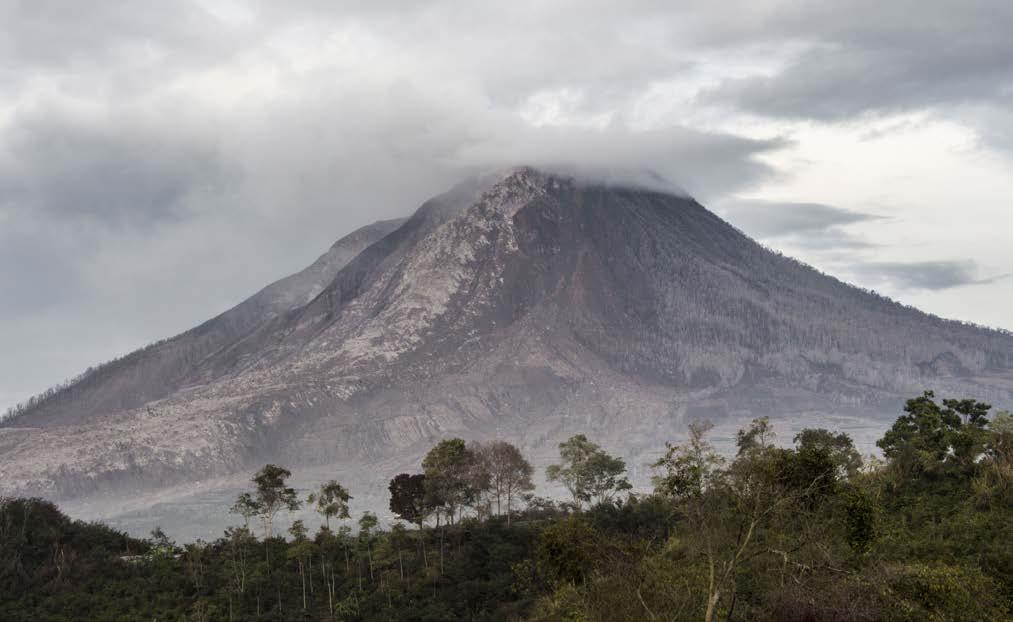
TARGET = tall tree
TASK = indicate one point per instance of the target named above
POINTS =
(408, 498)
(301, 550)
(757, 437)
(449, 470)
(367, 523)
(331, 501)
(272, 494)
(246, 506)
(508, 473)
(937, 441)
(589, 473)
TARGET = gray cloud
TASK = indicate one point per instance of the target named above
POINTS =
(861, 56)
(33, 277)
(704, 164)
(923, 275)
(114, 170)
(126, 219)
(126, 44)
(159, 162)
(772, 219)
(811, 225)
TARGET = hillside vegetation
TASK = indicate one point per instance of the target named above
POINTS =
(807, 533)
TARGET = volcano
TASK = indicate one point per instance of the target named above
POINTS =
(527, 305)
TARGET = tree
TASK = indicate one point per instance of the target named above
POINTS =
(839, 447)
(301, 550)
(271, 494)
(331, 501)
(756, 437)
(239, 545)
(567, 550)
(508, 473)
(449, 470)
(408, 498)
(246, 506)
(589, 473)
(727, 507)
(688, 471)
(367, 523)
(936, 441)
(996, 480)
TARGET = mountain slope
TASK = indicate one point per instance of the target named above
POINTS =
(530, 306)
(161, 368)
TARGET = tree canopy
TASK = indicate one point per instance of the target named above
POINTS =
(589, 473)
(772, 532)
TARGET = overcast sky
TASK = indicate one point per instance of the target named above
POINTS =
(160, 161)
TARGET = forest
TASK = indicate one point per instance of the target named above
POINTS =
(799, 531)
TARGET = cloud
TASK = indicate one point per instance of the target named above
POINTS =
(144, 201)
(923, 275)
(158, 164)
(705, 164)
(859, 56)
(112, 42)
(813, 225)
(119, 170)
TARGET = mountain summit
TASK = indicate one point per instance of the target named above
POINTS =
(527, 305)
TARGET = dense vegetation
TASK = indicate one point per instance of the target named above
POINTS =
(774, 533)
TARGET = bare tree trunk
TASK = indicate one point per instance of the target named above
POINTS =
(712, 593)
(712, 602)
(425, 557)
(327, 571)
(302, 575)
(441, 550)
(334, 588)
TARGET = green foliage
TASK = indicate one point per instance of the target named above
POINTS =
(449, 469)
(503, 472)
(839, 447)
(408, 498)
(793, 534)
(567, 550)
(270, 495)
(756, 437)
(331, 501)
(859, 519)
(589, 473)
(687, 471)
(933, 442)
(940, 593)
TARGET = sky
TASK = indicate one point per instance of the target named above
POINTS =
(162, 160)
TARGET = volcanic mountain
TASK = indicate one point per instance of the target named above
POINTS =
(527, 305)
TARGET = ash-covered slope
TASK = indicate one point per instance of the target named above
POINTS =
(164, 367)
(528, 306)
